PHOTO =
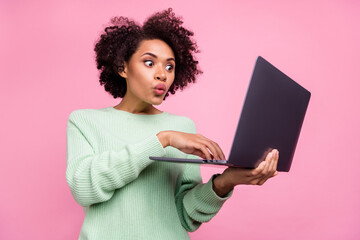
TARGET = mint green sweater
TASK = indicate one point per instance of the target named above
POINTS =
(125, 195)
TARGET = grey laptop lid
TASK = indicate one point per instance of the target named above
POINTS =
(271, 118)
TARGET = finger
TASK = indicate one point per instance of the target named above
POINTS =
(267, 165)
(265, 173)
(269, 156)
(211, 147)
(268, 171)
(205, 151)
(218, 153)
(277, 160)
(258, 180)
(199, 153)
(254, 181)
(272, 164)
(205, 142)
(258, 170)
(262, 181)
(275, 174)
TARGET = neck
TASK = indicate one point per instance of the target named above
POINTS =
(136, 107)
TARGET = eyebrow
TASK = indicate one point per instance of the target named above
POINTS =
(154, 56)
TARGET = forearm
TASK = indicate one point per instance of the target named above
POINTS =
(221, 187)
(93, 178)
(233, 176)
(196, 202)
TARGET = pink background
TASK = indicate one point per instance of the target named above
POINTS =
(47, 70)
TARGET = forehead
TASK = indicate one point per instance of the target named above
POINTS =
(155, 46)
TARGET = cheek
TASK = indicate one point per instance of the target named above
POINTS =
(135, 85)
(138, 83)
(171, 79)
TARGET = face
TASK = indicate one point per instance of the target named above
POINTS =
(149, 72)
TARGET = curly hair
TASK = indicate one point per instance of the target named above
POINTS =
(122, 38)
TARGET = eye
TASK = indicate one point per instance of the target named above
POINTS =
(148, 63)
(169, 67)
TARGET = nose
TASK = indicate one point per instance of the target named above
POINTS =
(160, 75)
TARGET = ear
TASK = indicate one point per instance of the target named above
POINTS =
(123, 70)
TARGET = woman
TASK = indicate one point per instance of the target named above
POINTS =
(124, 194)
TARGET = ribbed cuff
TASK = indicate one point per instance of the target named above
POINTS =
(212, 196)
(203, 199)
(150, 146)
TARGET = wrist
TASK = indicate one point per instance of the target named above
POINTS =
(221, 187)
(163, 137)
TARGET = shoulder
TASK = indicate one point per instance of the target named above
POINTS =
(86, 114)
(81, 113)
(186, 123)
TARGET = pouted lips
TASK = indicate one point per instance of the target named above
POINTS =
(160, 89)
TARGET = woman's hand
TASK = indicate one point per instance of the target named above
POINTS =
(203, 147)
(233, 176)
(189, 143)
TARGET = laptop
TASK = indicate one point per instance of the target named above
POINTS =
(271, 118)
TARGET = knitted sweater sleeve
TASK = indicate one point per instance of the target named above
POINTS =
(196, 202)
(93, 177)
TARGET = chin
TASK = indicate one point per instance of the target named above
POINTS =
(157, 102)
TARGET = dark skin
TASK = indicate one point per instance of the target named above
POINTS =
(199, 145)
(154, 63)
